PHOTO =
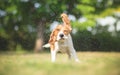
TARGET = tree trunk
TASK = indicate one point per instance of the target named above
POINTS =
(40, 37)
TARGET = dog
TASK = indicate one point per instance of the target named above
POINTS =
(61, 40)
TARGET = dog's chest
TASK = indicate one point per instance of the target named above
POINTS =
(63, 46)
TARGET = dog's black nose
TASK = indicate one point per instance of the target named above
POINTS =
(61, 35)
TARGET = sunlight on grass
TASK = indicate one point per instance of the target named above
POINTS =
(92, 63)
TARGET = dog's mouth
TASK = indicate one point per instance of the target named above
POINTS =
(63, 38)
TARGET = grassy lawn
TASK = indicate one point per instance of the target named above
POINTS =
(92, 63)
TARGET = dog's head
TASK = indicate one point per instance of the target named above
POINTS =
(61, 32)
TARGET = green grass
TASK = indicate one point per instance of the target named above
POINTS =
(92, 63)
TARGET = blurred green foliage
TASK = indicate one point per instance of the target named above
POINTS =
(21, 21)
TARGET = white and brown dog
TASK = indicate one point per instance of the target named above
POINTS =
(60, 40)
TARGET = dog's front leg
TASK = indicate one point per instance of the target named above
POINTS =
(53, 55)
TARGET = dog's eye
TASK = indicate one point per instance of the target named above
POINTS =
(58, 29)
(65, 31)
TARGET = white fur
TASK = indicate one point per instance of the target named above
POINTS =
(66, 46)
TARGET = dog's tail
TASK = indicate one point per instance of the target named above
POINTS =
(46, 45)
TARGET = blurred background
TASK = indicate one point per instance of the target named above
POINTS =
(27, 24)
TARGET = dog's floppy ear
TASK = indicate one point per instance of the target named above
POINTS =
(54, 33)
(52, 37)
(66, 20)
(52, 40)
